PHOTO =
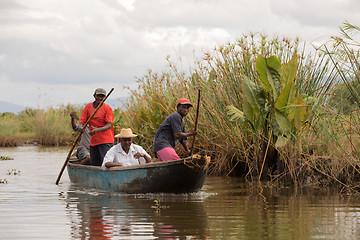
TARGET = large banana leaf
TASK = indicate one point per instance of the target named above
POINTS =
(281, 109)
(253, 100)
(235, 114)
(297, 112)
(269, 70)
(282, 121)
(289, 70)
(286, 96)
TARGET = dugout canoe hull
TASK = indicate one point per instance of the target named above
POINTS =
(180, 176)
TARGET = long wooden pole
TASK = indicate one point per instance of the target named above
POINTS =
(79, 135)
(196, 122)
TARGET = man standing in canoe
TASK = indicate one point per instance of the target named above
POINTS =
(125, 153)
(171, 131)
(101, 128)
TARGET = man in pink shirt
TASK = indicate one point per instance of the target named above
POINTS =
(171, 131)
(101, 128)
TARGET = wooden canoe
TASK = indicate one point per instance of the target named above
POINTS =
(180, 176)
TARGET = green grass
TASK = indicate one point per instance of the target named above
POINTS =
(50, 127)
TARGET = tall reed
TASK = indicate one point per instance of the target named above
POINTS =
(219, 75)
(343, 106)
(46, 127)
(10, 129)
(52, 127)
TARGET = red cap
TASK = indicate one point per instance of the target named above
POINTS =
(184, 101)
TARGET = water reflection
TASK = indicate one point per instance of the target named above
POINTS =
(32, 206)
(103, 216)
(243, 211)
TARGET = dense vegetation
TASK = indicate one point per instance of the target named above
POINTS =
(51, 127)
(271, 108)
(46, 127)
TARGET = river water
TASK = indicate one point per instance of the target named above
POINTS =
(32, 206)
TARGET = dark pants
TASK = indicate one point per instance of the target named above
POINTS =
(97, 153)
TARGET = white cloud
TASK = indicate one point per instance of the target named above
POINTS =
(51, 47)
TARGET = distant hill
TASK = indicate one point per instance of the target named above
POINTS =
(116, 102)
(10, 107)
(113, 102)
(14, 108)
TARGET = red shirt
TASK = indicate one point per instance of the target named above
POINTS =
(103, 115)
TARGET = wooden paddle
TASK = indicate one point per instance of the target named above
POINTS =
(79, 135)
(196, 122)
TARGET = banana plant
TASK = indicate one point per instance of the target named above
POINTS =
(272, 104)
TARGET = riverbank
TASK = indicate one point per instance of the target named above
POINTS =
(306, 180)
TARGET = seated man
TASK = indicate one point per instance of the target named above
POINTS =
(83, 150)
(125, 153)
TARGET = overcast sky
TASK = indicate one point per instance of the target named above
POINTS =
(58, 51)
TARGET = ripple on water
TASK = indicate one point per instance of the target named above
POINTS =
(32, 206)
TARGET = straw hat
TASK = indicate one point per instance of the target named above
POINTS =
(125, 133)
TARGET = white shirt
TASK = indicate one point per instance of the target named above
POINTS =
(117, 155)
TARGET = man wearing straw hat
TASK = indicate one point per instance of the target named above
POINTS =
(171, 131)
(125, 153)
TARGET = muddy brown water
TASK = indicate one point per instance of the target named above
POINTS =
(32, 206)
